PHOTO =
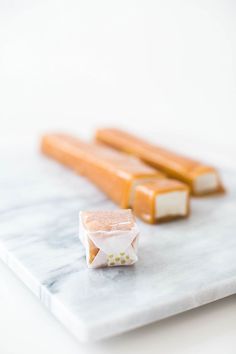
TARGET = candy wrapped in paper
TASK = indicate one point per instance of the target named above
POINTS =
(110, 238)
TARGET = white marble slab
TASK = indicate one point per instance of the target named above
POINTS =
(182, 265)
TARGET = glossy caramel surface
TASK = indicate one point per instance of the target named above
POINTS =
(174, 165)
(112, 171)
(145, 195)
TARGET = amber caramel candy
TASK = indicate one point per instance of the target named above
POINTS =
(115, 173)
(161, 200)
(202, 179)
(109, 237)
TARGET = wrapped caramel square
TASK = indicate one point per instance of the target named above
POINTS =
(110, 238)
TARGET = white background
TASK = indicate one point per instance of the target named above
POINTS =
(166, 67)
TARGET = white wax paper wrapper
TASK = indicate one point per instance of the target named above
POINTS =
(116, 248)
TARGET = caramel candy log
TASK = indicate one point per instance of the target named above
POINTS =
(161, 200)
(202, 179)
(115, 173)
(109, 238)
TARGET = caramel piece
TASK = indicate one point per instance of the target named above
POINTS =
(161, 200)
(202, 179)
(109, 237)
(115, 173)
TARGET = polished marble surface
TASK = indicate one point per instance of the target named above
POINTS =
(182, 265)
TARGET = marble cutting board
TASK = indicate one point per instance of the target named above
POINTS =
(182, 265)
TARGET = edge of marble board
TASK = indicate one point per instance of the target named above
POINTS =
(85, 333)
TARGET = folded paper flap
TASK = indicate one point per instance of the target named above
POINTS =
(115, 241)
(127, 257)
(99, 260)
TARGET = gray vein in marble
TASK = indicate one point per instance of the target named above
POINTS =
(181, 265)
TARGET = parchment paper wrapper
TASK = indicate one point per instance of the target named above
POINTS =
(109, 248)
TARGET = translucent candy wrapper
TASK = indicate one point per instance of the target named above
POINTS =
(110, 238)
